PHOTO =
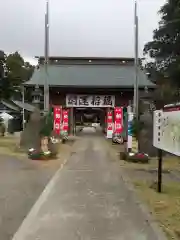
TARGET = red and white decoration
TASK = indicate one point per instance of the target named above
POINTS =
(65, 120)
(109, 124)
(118, 120)
(57, 119)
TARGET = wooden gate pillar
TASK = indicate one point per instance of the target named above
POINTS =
(72, 121)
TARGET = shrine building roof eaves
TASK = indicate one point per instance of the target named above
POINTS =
(105, 76)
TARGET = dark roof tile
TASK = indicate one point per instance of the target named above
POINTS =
(89, 76)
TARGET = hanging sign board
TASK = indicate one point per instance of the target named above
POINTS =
(65, 119)
(166, 130)
(90, 100)
(57, 119)
(118, 116)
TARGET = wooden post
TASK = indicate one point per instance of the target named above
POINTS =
(71, 121)
(159, 105)
(74, 121)
(159, 185)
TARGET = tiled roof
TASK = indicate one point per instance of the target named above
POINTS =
(89, 76)
(27, 106)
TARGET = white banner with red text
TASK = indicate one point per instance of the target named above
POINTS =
(65, 120)
(109, 124)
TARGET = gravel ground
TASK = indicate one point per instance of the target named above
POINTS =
(21, 183)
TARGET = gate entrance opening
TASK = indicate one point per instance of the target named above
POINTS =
(89, 117)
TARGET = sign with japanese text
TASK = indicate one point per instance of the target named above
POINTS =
(57, 119)
(166, 130)
(109, 124)
(118, 118)
(65, 120)
(90, 100)
(157, 120)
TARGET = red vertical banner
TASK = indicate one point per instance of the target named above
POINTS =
(65, 119)
(109, 121)
(57, 119)
(118, 120)
(109, 124)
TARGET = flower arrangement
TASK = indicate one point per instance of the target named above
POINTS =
(136, 157)
(34, 154)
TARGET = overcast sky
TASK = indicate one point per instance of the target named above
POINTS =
(77, 27)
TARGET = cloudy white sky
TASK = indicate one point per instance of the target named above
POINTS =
(77, 27)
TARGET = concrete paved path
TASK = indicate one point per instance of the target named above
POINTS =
(87, 200)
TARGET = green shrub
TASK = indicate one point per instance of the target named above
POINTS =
(136, 127)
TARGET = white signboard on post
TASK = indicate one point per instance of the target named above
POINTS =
(167, 130)
(157, 134)
(90, 100)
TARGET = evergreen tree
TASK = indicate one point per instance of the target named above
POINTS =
(13, 72)
(165, 47)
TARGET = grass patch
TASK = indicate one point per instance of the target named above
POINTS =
(169, 163)
(165, 206)
(10, 145)
(8, 141)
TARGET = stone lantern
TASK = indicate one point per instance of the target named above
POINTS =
(36, 94)
(146, 123)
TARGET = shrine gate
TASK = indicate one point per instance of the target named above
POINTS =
(89, 86)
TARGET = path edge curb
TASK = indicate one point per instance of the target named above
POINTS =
(143, 207)
(23, 228)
